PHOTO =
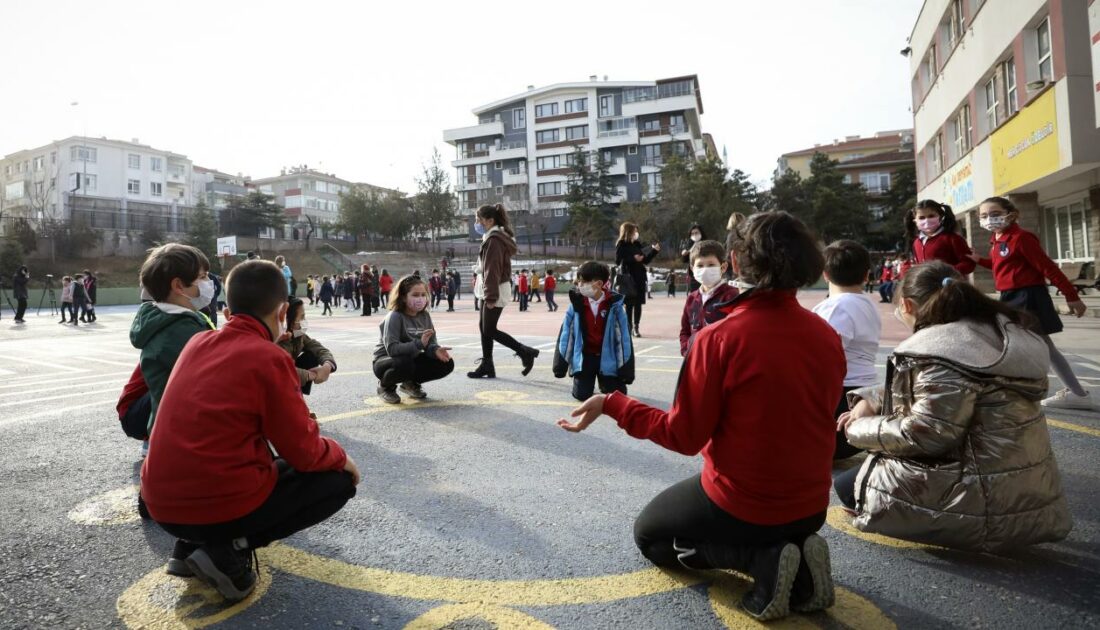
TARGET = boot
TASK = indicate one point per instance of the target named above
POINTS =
(813, 584)
(528, 355)
(773, 569)
(485, 369)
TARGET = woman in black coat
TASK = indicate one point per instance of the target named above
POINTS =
(695, 234)
(632, 257)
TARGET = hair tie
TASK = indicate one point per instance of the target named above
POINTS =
(948, 280)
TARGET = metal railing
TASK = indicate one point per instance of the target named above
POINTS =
(507, 146)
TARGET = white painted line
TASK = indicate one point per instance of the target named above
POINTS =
(37, 400)
(546, 346)
(54, 366)
(130, 364)
(26, 381)
(52, 412)
(53, 387)
(649, 349)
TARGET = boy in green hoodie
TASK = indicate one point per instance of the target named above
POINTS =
(175, 276)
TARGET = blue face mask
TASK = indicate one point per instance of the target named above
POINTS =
(479, 228)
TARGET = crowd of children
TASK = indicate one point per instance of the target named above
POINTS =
(800, 383)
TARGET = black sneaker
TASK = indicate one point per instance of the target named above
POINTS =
(226, 569)
(773, 572)
(389, 395)
(414, 390)
(177, 564)
(813, 584)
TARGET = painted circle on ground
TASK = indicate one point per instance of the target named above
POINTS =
(841, 521)
(163, 601)
(113, 507)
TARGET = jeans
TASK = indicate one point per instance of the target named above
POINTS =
(584, 382)
(368, 304)
(490, 317)
(551, 305)
(523, 299)
(450, 301)
(392, 371)
(685, 513)
(299, 500)
(886, 291)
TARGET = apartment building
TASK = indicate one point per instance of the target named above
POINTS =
(215, 188)
(1006, 101)
(520, 151)
(846, 150)
(307, 196)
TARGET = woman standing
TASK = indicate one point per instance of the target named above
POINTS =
(494, 269)
(695, 234)
(631, 258)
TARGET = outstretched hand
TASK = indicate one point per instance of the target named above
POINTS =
(587, 412)
(443, 354)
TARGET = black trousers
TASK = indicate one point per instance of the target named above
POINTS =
(384, 299)
(450, 301)
(299, 500)
(584, 382)
(367, 305)
(490, 317)
(20, 308)
(844, 450)
(392, 371)
(135, 423)
(306, 361)
(550, 303)
(845, 486)
(685, 513)
(633, 314)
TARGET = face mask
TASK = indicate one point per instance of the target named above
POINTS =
(588, 291)
(695, 238)
(479, 228)
(707, 276)
(928, 225)
(206, 294)
(993, 223)
(418, 303)
(303, 326)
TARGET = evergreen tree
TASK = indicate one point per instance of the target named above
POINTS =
(202, 231)
(246, 216)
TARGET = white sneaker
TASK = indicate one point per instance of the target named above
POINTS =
(1066, 399)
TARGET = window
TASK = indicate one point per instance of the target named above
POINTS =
(632, 150)
(549, 162)
(53, 157)
(498, 165)
(1008, 74)
(519, 118)
(544, 137)
(7, 169)
(1065, 230)
(38, 162)
(651, 155)
(133, 161)
(633, 178)
(576, 105)
(676, 123)
(83, 154)
(606, 156)
(956, 23)
(607, 105)
(991, 104)
(651, 125)
(549, 109)
(156, 189)
(500, 190)
(653, 184)
(576, 133)
(960, 128)
(133, 186)
(1046, 65)
(936, 154)
(930, 65)
(551, 189)
(156, 164)
(876, 183)
(89, 182)
(559, 212)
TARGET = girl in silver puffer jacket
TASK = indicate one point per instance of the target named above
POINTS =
(960, 454)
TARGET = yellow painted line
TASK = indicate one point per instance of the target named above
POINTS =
(113, 507)
(842, 522)
(161, 601)
(1069, 426)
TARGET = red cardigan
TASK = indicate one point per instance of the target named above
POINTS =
(1018, 260)
(948, 247)
(756, 395)
(231, 391)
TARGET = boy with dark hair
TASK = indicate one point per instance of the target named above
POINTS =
(175, 276)
(435, 284)
(704, 305)
(594, 342)
(80, 299)
(550, 283)
(210, 478)
(523, 286)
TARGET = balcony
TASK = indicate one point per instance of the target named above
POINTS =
(483, 130)
(618, 196)
(508, 150)
(618, 167)
(617, 137)
(654, 162)
(675, 102)
(473, 183)
(514, 177)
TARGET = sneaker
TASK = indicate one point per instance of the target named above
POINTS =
(177, 564)
(1066, 399)
(228, 570)
(773, 572)
(414, 390)
(389, 395)
(813, 584)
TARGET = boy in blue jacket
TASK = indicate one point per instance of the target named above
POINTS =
(594, 342)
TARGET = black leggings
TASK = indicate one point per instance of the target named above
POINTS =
(845, 486)
(391, 371)
(299, 500)
(633, 314)
(490, 333)
(685, 513)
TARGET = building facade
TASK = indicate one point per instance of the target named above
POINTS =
(215, 188)
(850, 149)
(1006, 102)
(520, 151)
(876, 173)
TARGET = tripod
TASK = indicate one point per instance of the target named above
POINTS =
(7, 299)
(53, 297)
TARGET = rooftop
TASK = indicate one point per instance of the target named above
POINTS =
(880, 139)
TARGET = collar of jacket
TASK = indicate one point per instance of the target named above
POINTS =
(1009, 350)
(247, 322)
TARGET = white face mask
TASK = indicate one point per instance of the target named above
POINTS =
(695, 238)
(303, 326)
(588, 291)
(993, 223)
(707, 276)
(205, 296)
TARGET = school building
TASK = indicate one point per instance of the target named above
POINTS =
(1006, 102)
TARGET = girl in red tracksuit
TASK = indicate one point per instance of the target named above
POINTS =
(765, 430)
(930, 228)
(1020, 270)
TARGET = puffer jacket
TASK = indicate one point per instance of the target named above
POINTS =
(616, 350)
(961, 454)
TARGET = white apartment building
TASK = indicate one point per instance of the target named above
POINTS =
(215, 188)
(1006, 102)
(520, 151)
(41, 183)
(306, 196)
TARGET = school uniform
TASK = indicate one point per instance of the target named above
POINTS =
(946, 246)
(702, 308)
(594, 344)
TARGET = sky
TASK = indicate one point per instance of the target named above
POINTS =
(365, 90)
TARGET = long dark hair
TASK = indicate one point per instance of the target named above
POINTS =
(948, 223)
(294, 306)
(400, 292)
(499, 215)
(944, 296)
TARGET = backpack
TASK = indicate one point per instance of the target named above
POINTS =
(623, 283)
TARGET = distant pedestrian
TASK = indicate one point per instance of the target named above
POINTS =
(80, 300)
(385, 285)
(549, 285)
(67, 300)
(91, 286)
(19, 291)
(452, 288)
(326, 295)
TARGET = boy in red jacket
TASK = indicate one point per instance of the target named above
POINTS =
(210, 478)
(704, 305)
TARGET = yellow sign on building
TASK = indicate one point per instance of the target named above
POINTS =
(1026, 147)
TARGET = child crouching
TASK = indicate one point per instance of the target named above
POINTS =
(409, 353)
(594, 342)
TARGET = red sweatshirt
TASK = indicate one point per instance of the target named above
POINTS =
(766, 426)
(523, 284)
(1018, 260)
(550, 283)
(948, 247)
(135, 388)
(231, 391)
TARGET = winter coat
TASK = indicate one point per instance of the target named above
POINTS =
(327, 292)
(349, 288)
(161, 336)
(698, 314)
(67, 293)
(494, 267)
(624, 255)
(19, 286)
(91, 285)
(961, 454)
(80, 294)
(617, 351)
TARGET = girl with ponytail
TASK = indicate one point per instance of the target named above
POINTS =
(930, 228)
